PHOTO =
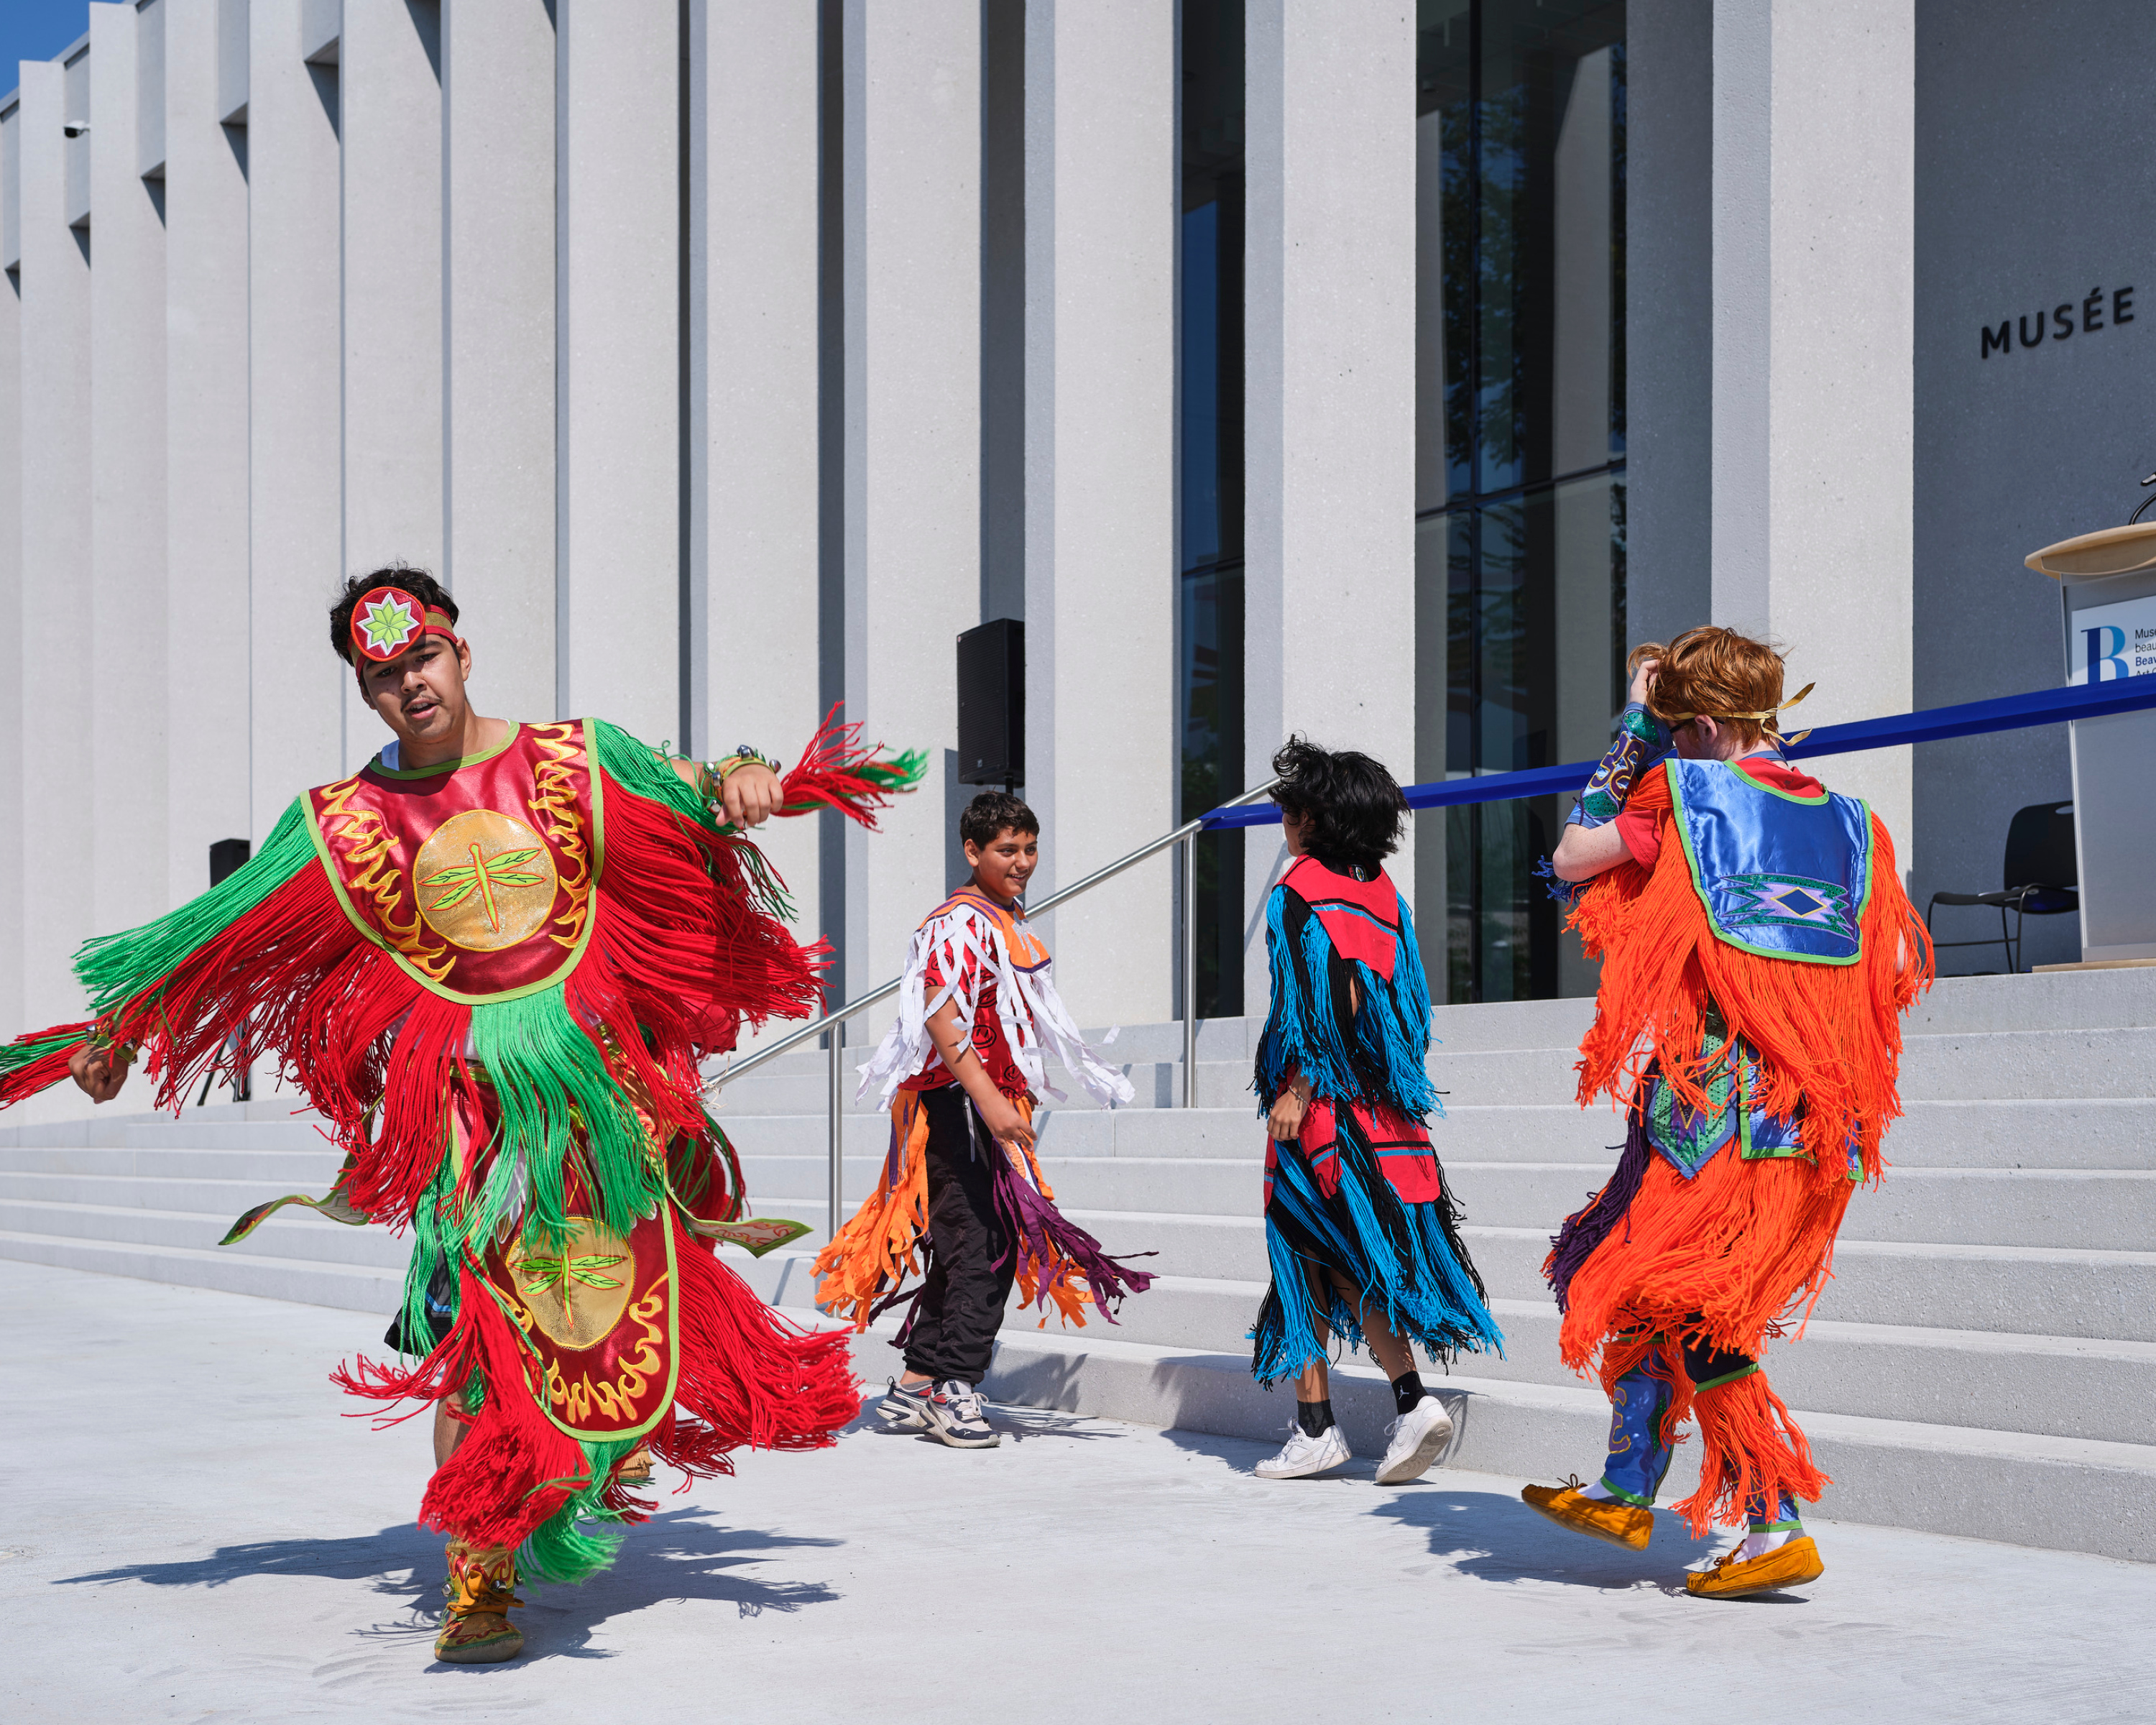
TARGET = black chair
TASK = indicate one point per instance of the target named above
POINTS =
(2042, 876)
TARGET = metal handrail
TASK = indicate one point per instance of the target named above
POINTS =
(831, 1025)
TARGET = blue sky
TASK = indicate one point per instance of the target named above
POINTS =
(37, 30)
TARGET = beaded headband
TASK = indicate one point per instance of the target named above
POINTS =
(388, 620)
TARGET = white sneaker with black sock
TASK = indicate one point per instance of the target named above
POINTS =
(1303, 1455)
(1414, 1440)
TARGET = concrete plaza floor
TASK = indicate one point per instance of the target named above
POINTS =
(189, 1531)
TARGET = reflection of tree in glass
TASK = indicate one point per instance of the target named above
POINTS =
(1457, 250)
(1499, 285)
(1618, 105)
(1212, 729)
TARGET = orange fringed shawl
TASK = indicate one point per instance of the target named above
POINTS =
(1726, 1256)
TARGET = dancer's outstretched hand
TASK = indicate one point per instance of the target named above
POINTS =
(752, 794)
(1643, 680)
(100, 1071)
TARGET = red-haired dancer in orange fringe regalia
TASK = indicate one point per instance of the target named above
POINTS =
(494, 959)
(1758, 951)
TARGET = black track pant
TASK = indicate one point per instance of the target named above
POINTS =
(961, 1307)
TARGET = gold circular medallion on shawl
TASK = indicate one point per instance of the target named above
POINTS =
(486, 881)
(575, 1291)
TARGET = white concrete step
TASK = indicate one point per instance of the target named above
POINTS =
(2075, 1494)
(2084, 1000)
(1961, 1067)
(291, 1170)
(2049, 1132)
(2009, 1290)
(1957, 1066)
(1221, 1084)
(2046, 1132)
(297, 1234)
(2014, 1289)
(2104, 1210)
(309, 1281)
(2064, 1386)
(277, 1120)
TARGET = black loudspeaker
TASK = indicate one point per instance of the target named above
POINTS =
(226, 857)
(992, 704)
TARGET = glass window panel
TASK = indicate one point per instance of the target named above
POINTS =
(1545, 279)
(1210, 683)
(1444, 251)
(1201, 383)
(1210, 702)
(1520, 422)
(1533, 590)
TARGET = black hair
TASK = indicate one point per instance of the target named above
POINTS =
(430, 594)
(1352, 805)
(990, 814)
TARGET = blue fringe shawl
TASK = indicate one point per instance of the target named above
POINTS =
(1386, 1061)
(1406, 1259)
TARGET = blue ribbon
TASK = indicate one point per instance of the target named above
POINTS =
(1969, 718)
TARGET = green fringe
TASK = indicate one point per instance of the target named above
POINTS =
(432, 1230)
(116, 968)
(648, 771)
(559, 1549)
(902, 772)
(549, 1079)
(15, 1055)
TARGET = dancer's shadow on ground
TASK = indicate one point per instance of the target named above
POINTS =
(678, 1555)
(1018, 1424)
(1491, 1534)
(1495, 1537)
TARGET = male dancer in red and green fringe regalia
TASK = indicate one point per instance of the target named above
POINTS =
(1758, 951)
(493, 960)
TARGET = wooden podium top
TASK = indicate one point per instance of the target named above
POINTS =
(2088, 556)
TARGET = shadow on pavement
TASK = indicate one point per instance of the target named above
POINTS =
(1495, 1537)
(1017, 1423)
(677, 1555)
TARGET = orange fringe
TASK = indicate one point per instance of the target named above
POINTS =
(1828, 1036)
(1750, 1443)
(875, 1250)
(1750, 1447)
(1725, 1257)
(879, 1247)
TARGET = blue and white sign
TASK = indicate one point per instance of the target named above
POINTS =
(2106, 643)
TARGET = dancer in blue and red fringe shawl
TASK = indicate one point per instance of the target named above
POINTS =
(1364, 1239)
(959, 1071)
(493, 960)
(1756, 952)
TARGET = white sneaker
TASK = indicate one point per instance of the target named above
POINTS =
(1305, 1454)
(955, 1418)
(1413, 1440)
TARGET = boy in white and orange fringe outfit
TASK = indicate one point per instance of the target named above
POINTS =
(960, 1071)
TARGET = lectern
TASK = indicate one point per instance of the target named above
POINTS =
(2107, 600)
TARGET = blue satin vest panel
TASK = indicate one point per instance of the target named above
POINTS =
(1780, 875)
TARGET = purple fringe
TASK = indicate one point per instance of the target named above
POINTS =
(1587, 1228)
(1037, 1226)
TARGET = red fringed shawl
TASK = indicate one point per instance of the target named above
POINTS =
(565, 917)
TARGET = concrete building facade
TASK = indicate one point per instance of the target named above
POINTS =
(1376, 370)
